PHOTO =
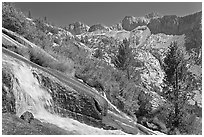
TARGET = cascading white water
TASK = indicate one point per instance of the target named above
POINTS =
(116, 109)
(31, 96)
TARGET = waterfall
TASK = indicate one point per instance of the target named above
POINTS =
(31, 96)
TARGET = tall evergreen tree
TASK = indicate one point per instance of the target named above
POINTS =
(124, 57)
(29, 14)
(175, 80)
(45, 19)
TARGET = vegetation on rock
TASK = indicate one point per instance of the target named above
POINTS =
(129, 75)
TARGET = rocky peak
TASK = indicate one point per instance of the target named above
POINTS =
(190, 22)
(131, 22)
(167, 24)
(153, 15)
(77, 28)
(98, 27)
(172, 24)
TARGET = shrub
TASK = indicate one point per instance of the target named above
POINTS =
(57, 62)
(11, 18)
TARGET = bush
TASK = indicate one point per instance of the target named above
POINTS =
(43, 59)
(11, 18)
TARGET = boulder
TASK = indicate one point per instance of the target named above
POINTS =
(98, 27)
(27, 116)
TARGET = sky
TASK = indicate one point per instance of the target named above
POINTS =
(107, 13)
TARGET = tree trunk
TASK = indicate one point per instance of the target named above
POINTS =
(128, 74)
(176, 100)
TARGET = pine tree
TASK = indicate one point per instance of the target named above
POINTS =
(29, 14)
(175, 80)
(124, 57)
(45, 19)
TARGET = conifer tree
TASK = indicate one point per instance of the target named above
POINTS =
(124, 57)
(29, 14)
(175, 80)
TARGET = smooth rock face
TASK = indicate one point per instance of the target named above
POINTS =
(129, 22)
(190, 22)
(174, 25)
(166, 24)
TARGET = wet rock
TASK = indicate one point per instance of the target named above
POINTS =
(73, 104)
(8, 98)
(27, 116)
(121, 123)
(153, 123)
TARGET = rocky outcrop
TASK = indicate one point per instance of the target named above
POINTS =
(190, 22)
(77, 28)
(166, 24)
(189, 25)
(139, 36)
(130, 22)
(50, 95)
(174, 25)
(48, 99)
(157, 44)
(152, 74)
(98, 27)
(153, 15)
